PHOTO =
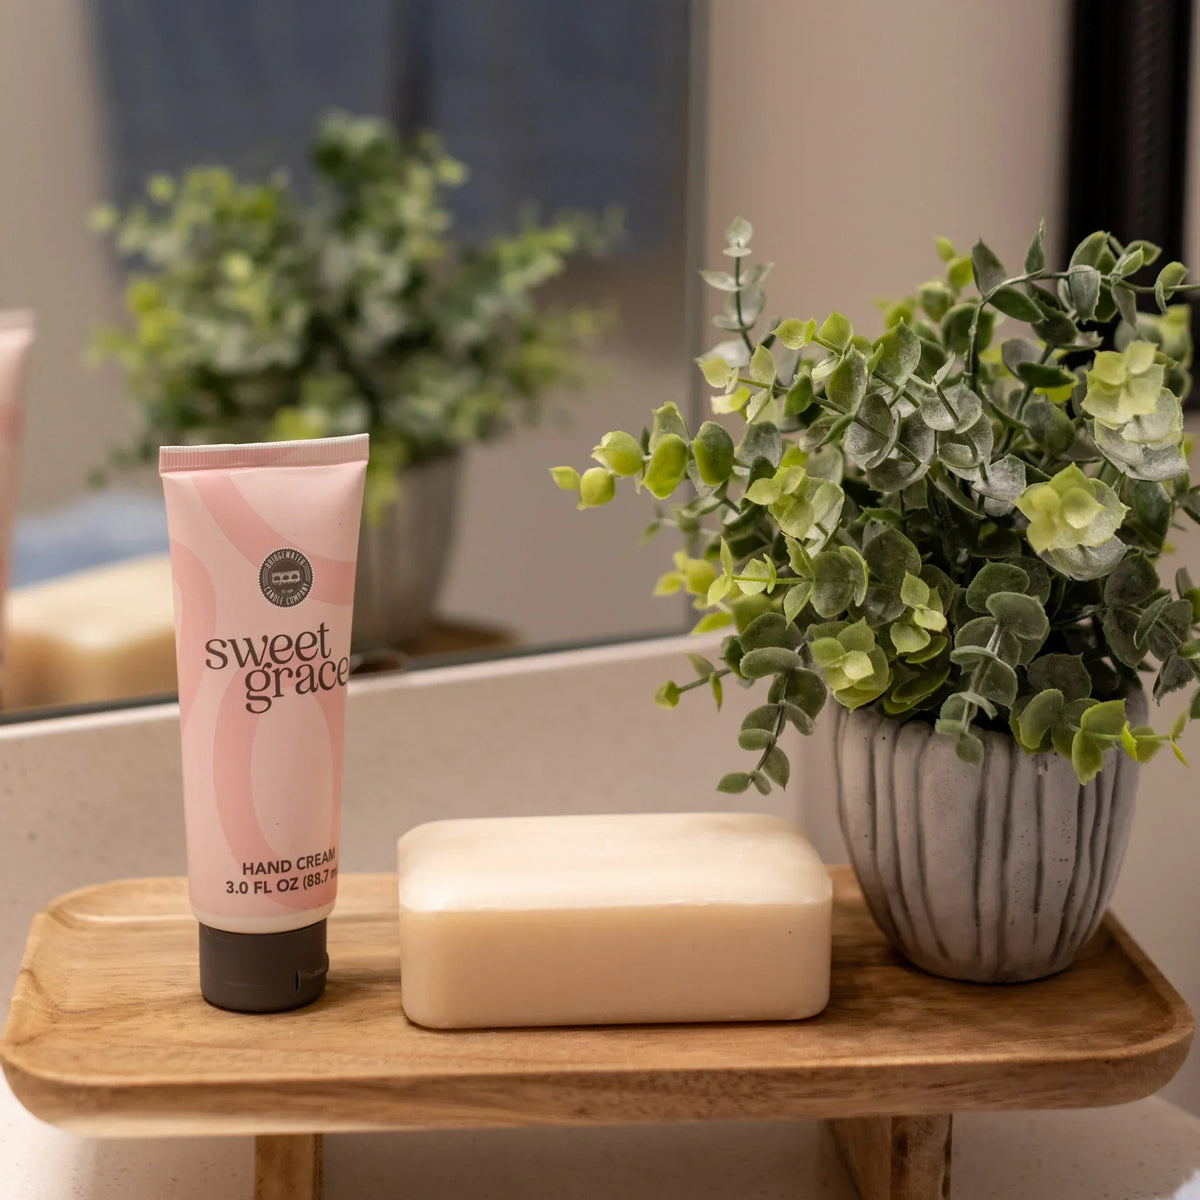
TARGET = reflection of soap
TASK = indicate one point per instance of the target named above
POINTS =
(606, 919)
(102, 634)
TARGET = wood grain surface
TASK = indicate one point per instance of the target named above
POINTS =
(896, 1158)
(287, 1166)
(108, 1035)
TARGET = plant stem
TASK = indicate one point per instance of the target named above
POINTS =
(780, 721)
(737, 299)
(704, 680)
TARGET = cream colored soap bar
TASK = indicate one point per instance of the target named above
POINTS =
(612, 919)
(101, 634)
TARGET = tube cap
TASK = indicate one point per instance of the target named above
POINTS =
(262, 972)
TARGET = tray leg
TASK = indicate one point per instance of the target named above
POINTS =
(896, 1158)
(287, 1166)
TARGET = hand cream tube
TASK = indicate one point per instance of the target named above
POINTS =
(16, 337)
(263, 544)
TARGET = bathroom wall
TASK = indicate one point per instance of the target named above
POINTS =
(851, 134)
(49, 260)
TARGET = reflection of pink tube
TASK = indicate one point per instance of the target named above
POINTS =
(16, 337)
(263, 544)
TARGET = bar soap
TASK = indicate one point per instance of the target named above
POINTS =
(585, 920)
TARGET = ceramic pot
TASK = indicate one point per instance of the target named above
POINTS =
(996, 874)
(402, 557)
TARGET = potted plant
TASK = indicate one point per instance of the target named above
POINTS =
(256, 314)
(957, 537)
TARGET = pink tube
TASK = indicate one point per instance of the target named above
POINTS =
(16, 337)
(263, 546)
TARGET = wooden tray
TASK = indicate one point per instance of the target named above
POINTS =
(108, 1035)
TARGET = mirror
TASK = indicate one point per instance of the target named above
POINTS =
(552, 109)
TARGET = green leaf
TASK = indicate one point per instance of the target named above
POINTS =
(770, 660)
(959, 272)
(1062, 672)
(901, 356)
(762, 366)
(986, 267)
(835, 583)
(717, 371)
(1150, 252)
(914, 590)
(871, 438)
(620, 452)
(800, 395)
(596, 487)
(567, 478)
(1044, 375)
(994, 577)
(739, 232)
(712, 449)
(847, 384)
(1087, 756)
(1015, 304)
(777, 767)
(795, 335)
(668, 421)
(1057, 329)
(1035, 256)
(761, 440)
(804, 689)
(890, 556)
(1090, 250)
(1083, 283)
(1148, 618)
(795, 598)
(996, 681)
(858, 567)
(1169, 278)
(711, 621)
(1020, 614)
(835, 331)
(734, 783)
(945, 248)
(1133, 580)
(714, 682)
(668, 584)
(667, 467)
(969, 748)
(1129, 263)
(668, 695)
(1039, 716)
(701, 665)
(1104, 720)
(770, 629)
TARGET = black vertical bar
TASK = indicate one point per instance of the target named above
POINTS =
(1129, 114)
(1130, 97)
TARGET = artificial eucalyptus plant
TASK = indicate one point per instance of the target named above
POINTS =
(936, 523)
(257, 314)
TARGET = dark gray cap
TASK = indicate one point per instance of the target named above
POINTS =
(263, 972)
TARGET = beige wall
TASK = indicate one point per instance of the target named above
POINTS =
(851, 134)
(49, 260)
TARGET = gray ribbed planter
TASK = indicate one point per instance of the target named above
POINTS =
(993, 875)
(402, 557)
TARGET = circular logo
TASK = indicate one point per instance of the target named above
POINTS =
(285, 577)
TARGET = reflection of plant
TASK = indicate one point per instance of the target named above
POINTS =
(256, 317)
(933, 525)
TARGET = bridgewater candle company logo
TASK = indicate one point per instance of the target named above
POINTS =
(285, 577)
